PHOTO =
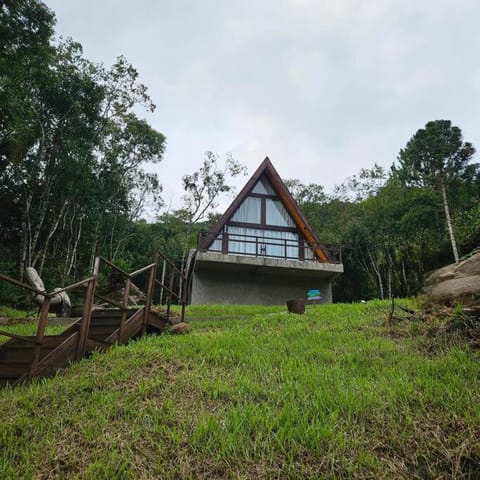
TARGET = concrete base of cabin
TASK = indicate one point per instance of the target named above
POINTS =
(239, 279)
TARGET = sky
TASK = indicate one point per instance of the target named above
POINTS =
(323, 88)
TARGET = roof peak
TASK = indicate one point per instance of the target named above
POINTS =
(267, 168)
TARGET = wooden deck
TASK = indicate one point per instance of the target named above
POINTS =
(96, 329)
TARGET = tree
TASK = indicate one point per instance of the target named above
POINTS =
(203, 187)
(436, 156)
(362, 185)
(202, 191)
(26, 29)
(303, 194)
(72, 149)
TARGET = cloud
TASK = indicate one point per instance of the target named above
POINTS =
(323, 88)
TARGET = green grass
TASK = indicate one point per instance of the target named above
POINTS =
(331, 394)
(9, 312)
(29, 329)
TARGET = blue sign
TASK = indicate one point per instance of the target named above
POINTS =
(314, 295)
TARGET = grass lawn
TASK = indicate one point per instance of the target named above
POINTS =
(331, 394)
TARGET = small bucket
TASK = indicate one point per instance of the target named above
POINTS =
(296, 305)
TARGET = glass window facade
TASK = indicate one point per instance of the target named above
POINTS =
(262, 226)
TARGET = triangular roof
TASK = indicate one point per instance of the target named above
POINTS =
(266, 168)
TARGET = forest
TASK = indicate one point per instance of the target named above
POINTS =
(74, 183)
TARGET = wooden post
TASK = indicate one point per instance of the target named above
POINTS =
(164, 267)
(170, 286)
(124, 313)
(301, 250)
(184, 297)
(87, 312)
(150, 288)
(42, 323)
(224, 242)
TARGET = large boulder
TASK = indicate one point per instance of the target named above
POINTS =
(455, 283)
(60, 303)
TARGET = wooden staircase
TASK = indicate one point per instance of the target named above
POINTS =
(18, 357)
(25, 357)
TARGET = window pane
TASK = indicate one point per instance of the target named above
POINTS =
(263, 187)
(249, 211)
(243, 240)
(276, 214)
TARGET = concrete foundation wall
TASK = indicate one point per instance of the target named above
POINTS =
(212, 286)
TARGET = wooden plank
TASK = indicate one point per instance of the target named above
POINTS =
(58, 358)
(22, 355)
(94, 344)
(107, 313)
(14, 370)
(102, 330)
(156, 321)
(75, 327)
(131, 327)
(49, 341)
(105, 322)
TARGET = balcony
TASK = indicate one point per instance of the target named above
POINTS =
(265, 246)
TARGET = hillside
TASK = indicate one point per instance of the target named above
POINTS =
(332, 394)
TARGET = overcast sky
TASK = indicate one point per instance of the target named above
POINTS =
(323, 88)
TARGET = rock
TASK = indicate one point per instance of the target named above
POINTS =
(455, 283)
(59, 303)
(179, 328)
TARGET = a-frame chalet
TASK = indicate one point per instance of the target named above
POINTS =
(262, 250)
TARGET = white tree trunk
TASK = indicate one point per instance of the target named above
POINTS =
(449, 220)
(379, 276)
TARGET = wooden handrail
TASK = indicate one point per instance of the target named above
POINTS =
(167, 289)
(118, 269)
(172, 265)
(72, 286)
(123, 272)
(141, 270)
(24, 285)
(19, 337)
(111, 302)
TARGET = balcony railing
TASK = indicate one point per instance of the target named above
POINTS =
(265, 246)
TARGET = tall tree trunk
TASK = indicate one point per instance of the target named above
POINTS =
(42, 253)
(96, 239)
(449, 220)
(405, 280)
(390, 275)
(379, 275)
(73, 258)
